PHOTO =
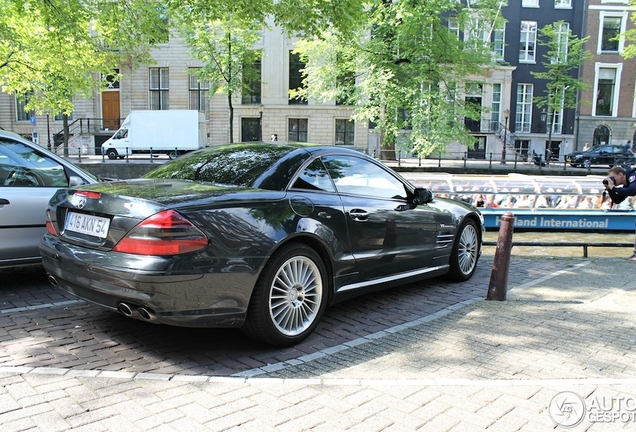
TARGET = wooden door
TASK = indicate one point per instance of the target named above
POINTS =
(110, 109)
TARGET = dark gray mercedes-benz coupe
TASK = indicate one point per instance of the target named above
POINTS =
(261, 236)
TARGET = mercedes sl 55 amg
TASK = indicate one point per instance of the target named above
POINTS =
(261, 236)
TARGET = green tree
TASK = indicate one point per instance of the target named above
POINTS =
(410, 69)
(563, 58)
(225, 46)
(52, 51)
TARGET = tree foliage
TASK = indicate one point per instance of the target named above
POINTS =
(564, 56)
(54, 50)
(225, 47)
(411, 71)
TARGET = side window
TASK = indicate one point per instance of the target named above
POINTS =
(357, 176)
(314, 177)
(20, 165)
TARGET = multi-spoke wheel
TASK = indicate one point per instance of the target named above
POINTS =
(289, 298)
(466, 250)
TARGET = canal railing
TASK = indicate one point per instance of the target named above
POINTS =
(585, 245)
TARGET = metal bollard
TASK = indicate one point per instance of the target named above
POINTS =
(501, 266)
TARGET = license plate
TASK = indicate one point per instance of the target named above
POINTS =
(87, 224)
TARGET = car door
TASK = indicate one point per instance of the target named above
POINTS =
(314, 198)
(606, 156)
(28, 179)
(387, 235)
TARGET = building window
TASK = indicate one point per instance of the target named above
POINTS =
(159, 89)
(199, 92)
(346, 83)
(611, 28)
(563, 4)
(297, 130)
(21, 113)
(252, 78)
(495, 108)
(523, 118)
(522, 146)
(453, 25)
(528, 40)
(563, 34)
(530, 3)
(112, 80)
(499, 44)
(557, 121)
(296, 78)
(605, 90)
(345, 131)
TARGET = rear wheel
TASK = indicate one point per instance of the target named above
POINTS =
(173, 154)
(289, 297)
(465, 254)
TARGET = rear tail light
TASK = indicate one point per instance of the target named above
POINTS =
(165, 233)
(50, 228)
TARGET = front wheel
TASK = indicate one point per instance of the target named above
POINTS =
(112, 154)
(289, 297)
(465, 254)
(586, 164)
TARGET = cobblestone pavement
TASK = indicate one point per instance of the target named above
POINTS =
(428, 356)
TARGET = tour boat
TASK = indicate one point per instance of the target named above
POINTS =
(538, 203)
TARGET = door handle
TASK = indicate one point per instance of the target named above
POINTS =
(4, 201)
(358, 215)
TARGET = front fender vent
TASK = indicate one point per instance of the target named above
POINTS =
(444, 241)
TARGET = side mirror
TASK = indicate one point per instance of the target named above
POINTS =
(75, 181)
(422, 196)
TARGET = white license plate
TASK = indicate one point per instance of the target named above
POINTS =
(87, 224)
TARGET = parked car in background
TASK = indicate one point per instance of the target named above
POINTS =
(260, 236)
(29, 176)
(609, 155)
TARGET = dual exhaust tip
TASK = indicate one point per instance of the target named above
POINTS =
(126, 309)
(130, 310)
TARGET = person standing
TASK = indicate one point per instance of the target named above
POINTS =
(620, 184)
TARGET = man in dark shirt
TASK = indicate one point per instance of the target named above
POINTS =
(620, 184)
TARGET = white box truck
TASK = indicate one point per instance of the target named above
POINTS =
(171, 132)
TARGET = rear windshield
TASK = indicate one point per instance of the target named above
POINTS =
(238, 165)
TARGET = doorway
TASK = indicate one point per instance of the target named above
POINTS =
(479, 150)
(250, 129)
(110, 109)
(601, 136)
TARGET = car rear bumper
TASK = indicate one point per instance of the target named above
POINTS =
(150, 288)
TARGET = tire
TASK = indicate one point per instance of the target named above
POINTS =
(112, 154)
(289, 298)
(172, 155)
(586, 164)
(465, 254)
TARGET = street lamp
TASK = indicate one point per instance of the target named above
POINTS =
(544, 116)
(260, 122)
(505, 139)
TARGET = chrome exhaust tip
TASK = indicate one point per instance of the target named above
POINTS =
(51, 279)
(147, 314)
(125, 309)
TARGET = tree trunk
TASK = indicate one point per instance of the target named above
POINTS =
(231, 108)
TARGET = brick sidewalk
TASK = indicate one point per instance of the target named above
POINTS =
(474, 365)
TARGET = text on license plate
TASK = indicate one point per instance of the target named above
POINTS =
(87, 224)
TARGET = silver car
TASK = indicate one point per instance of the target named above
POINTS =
(29, 176)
